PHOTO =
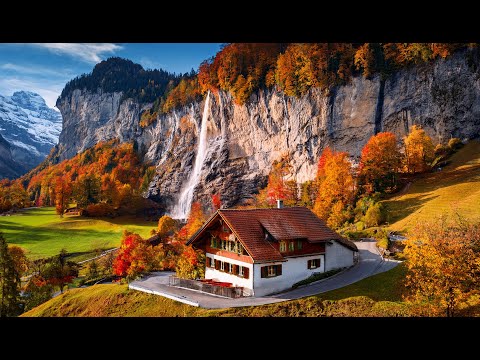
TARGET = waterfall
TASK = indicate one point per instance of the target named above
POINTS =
(182, 208)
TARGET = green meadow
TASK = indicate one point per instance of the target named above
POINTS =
(42, 233)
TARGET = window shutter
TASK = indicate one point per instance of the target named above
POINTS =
(309, 264)
(235, 269)
(317, 262)
(209, 261)
(217, 264)
(245, 272)
(264, 271)
(279, 270)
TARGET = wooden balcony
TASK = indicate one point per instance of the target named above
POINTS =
(208, 286)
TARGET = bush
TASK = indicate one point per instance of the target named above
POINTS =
(455, 144)
(356, 235)
(375, 215)
(316, 277)
(360, 225)
(441, 150)
(100, 210)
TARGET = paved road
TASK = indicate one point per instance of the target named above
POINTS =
(370, 263)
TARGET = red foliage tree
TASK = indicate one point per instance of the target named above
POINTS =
(216, 202)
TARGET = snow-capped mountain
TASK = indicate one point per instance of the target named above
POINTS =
(29, 126)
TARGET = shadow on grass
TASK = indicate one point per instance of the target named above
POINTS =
(400, 209)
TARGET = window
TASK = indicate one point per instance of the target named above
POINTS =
(212, 262)
(240, 271)
(230, 268)
(299, 244)
(222, 266)
(231, 246)
(291, 246)
(239, 249)
(245, 272)
(224, 244)
(313, 264)
(213, 242)
(270, 271)
(283, 246)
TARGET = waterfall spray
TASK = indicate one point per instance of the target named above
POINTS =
(182, 208)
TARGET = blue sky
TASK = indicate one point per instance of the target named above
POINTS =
(45, 68)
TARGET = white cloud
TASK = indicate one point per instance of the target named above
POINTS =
(49, 92)
(148, 63)
(36, 70)
(90, 53)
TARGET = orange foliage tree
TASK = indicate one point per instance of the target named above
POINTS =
(63, 192)
(135, 257)
(336, 190)
(419, 150)
(277, 187)
(443, 263)
(379, 163)
(191, 264)
(196, 219)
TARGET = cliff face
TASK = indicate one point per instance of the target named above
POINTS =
(243, 141)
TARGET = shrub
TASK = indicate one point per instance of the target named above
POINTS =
(100, 210)
(360, 225)
(455, 144)
(375, 215)
(316, 277)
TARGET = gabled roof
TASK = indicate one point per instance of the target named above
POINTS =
(287, 223)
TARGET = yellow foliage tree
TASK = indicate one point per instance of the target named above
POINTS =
(443, 262)
(419, 150)
(336, 185)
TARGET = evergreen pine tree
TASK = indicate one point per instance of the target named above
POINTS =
(9, 282)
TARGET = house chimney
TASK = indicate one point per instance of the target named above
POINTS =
(279, 204)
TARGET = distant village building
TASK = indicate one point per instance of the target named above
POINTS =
(268, 250)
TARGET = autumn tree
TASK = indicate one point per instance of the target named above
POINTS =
(419, 150)
(278, 187)
(216, 202)
(59, 271)
(379, 163)
(135, 256)
(36, 292)
(86, 190)
(9, 282)
(443, 262)
(166, 226)
(191, 264)
(336, 188)
(196, 219)
(19, 258)
(63, 192)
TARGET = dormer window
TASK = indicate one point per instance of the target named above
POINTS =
(283, 246)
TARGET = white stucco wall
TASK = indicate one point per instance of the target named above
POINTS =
(293, 270)
(211, 273)
(337, 256)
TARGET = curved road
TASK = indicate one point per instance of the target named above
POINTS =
(370, 263)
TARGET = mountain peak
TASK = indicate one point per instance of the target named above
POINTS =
(28, 100)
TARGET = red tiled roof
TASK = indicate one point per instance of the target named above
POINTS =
(283, 224)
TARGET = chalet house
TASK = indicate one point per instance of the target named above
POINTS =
(268, 250)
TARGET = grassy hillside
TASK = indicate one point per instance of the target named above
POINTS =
(43, 233)
(455, 188)
(375, 296)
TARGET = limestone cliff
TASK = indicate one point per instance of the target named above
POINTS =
(243, 141)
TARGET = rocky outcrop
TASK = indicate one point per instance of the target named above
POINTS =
(9, 169)
(243, 141)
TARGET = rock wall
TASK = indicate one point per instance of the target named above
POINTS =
(243, 141)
